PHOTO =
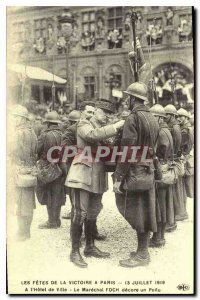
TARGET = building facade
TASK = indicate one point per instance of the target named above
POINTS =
(89, 47)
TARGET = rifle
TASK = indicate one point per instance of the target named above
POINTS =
(135, 63)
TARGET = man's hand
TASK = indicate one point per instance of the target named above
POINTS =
(116, 187)
(119, 124)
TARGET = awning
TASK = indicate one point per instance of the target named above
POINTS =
(35, 73)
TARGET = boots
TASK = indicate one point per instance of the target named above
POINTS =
(51, 223)
(170, 227)
(157, 241)
(141, 257)
(67, 216)
(91, 249)
(97, 235)
(75, 256)
(23, 232)
(57, 216)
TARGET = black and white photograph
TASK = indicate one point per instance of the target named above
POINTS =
(100, 107)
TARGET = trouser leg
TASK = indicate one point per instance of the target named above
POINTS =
(57, 215)
(21, 225)
(50, 214)
(23, 228)
(94, 209)
(142, 250)
(28, 225)
(171, 223)
(91, 249)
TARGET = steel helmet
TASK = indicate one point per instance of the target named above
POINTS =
(170, 109)
(20, 111)
(158, 110)
(52, 117)
(183, 112)
(74, 115)
(137, 89)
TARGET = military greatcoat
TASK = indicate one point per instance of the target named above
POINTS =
(138, 208)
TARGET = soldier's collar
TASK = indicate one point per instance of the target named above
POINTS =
(140, 107)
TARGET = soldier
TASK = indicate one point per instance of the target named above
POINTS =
(38, 126)
(138, 207)
(51, 193)
(178, 195)
(24, 153)
(69, 139)
(163, 191)
(186, 147)
(88, 181)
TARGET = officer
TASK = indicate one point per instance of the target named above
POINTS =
(24, 156)
(138, 207)
(186, 147)
(88, 180)
(163, 191)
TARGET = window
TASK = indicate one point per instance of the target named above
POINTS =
(47, 93)
(115, 16)
(35, 92)
(89, 84)
(88, 21)
(119, 80)
(40, 28)
(19, 32)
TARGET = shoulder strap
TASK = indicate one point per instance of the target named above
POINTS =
(154, 146)
(57, 142)
(172, 146)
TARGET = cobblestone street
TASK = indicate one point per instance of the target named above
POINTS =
(46, 255)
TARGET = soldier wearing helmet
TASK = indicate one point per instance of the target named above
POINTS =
(164, 153)
(186, 147)
(174, 127)
(52, 193)
(24, 157)
(178, 187)
(140, 128)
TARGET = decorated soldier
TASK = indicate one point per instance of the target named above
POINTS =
(134, 181)
(88, 181)
(24, 157)
(164, 195)
(51, 176)
(186, 149)
(178, 192)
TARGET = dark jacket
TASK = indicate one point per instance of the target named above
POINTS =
(137, 132)
(69, 137)
(54, 191)
(176, 135)
(165, 143)
(187, 138)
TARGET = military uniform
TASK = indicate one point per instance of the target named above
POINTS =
(164, 196)
(178, 187)
(24, 153)
(138, 207)
(51, 194)
(88, 181)
(186, 147)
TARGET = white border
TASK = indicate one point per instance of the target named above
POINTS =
(3, 5)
